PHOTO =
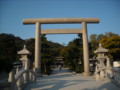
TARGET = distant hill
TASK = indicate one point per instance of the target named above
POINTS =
(10, 44)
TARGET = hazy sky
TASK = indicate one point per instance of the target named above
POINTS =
(12, 12)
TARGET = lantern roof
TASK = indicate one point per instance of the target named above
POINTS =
(24, 51)
(101, 49)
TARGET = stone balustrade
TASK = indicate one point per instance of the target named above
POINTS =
(21, 78)
(116, 76)
(4, 85)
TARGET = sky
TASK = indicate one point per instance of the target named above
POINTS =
(12, 12)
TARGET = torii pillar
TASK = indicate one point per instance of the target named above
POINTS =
(85, 49)
(38, 22)
(38, 49)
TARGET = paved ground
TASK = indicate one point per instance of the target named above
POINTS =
(65, 80)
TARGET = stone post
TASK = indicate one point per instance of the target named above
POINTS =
(37, 50)
(108, 63)
(11, 79)
(26, 65)
(34, 76)
(26, 78)
(85, 49)
(11, 76)
(26, 75)
(109, 68)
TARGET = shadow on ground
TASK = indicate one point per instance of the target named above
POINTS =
(106, 86)
(64, 80)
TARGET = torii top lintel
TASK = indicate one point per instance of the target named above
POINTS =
(60, 20)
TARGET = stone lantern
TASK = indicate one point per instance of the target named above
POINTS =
(24, 55)
(101, 55)
(102, 68)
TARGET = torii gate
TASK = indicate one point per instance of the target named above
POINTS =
(83, 30)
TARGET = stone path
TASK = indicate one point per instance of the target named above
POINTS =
(65, 80)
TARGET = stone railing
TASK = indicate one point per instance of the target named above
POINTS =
(21, 78)
(115, 78)
(5, 85)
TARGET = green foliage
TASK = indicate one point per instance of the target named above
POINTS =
(72, 53)
(50, 51)
(30, 43)
(108, 40)
(113, 44)
(93, 44)
(9, 45)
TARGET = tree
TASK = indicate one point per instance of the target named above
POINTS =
(110, 34)
(9, 45)
(113, 44)
(105, 39)
(8, 51)
(72, 53)
(93, 44)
